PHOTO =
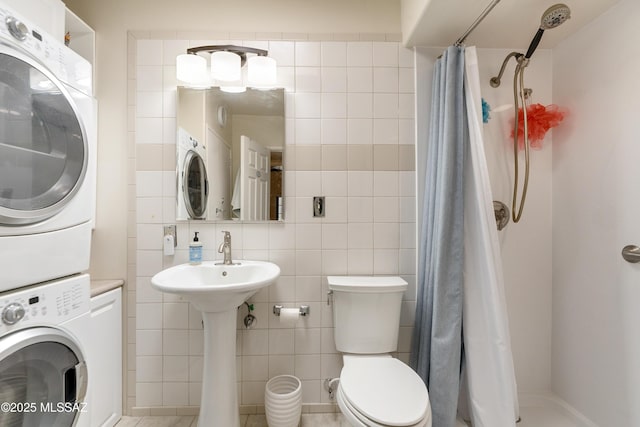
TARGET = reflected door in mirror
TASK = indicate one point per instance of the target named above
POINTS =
(255, 180)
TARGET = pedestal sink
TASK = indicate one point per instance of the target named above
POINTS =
(217, 290)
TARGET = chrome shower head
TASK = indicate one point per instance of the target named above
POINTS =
(551, 18)
(554, 16)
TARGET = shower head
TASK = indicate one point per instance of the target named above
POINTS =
(555, 16)
(551, 18)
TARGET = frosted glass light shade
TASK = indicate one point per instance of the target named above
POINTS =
(191, 69)
(262, 71)
(233, 88)
(225, 66)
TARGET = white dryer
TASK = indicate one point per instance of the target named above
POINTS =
(43, 366)
(47, 156)
(192, 182)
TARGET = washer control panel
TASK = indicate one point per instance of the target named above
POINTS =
(48, 303)
(66, 64)
(38, 43)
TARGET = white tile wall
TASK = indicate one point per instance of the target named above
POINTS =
(360, 79)
(337, 93)
(333, 131)
(359, 131)
(359, 54)
(334, 79)
(333, 54)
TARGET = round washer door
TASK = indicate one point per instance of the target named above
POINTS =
(43, 142)
(195, 185)
(42, 370)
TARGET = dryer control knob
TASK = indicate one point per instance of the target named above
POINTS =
(13, 313)
(17, 28)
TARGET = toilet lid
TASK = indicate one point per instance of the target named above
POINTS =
(385, 390)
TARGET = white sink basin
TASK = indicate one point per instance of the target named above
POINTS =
(217, 290)
(212, 286)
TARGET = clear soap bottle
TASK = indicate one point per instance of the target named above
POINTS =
(195, 251)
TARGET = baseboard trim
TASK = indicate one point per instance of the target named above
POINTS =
(142, 411)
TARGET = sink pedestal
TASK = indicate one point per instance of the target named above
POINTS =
(219, 401)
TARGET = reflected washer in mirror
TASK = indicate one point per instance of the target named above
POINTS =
(255, 114)
(192, 184)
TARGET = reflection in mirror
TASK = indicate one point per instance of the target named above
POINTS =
(192, 179)
(240, 138)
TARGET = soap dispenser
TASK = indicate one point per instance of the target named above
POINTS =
(195, 250)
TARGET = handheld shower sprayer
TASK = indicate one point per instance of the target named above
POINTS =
(551, 18)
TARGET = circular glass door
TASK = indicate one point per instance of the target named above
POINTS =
(43, 147)
(195, 185)
(42, 379)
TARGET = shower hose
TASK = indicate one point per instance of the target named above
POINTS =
(520, 99)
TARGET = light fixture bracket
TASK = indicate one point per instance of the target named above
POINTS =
(241, 51)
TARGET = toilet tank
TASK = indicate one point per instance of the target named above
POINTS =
(366, 313)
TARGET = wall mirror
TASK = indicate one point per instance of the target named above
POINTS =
(230, 149)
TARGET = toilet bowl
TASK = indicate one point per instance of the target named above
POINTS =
(380, 391)
(375, 389)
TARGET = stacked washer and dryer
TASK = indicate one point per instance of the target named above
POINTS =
(47, 204)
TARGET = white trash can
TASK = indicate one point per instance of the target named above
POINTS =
(283, 401)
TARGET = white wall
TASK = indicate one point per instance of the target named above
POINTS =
(525, 246)
(412, 12)
(596, 321)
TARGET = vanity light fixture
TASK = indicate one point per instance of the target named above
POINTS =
(226, 70)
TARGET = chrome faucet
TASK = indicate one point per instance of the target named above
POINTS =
(225, 248)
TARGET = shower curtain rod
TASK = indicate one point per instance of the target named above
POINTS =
(477, 22)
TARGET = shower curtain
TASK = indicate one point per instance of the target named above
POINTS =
(461, 312)
(437, 336)
(491, 392)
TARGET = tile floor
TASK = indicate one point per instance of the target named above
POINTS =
(531, 417)
(308, 420)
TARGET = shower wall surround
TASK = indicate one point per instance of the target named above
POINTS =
(596, 322)
(350, 137)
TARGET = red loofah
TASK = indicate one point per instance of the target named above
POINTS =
(539, 120)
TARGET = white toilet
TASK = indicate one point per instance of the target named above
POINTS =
(375, 389)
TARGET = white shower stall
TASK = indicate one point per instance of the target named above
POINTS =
(572, 300)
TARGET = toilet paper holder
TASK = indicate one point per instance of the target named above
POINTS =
(304, 310)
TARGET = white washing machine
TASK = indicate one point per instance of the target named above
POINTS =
(44, 380)
(192, 181)
(47, 156)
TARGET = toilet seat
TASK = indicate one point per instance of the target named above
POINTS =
(381, 391)
(356, 419)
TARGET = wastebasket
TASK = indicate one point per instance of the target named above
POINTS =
(283, 401)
